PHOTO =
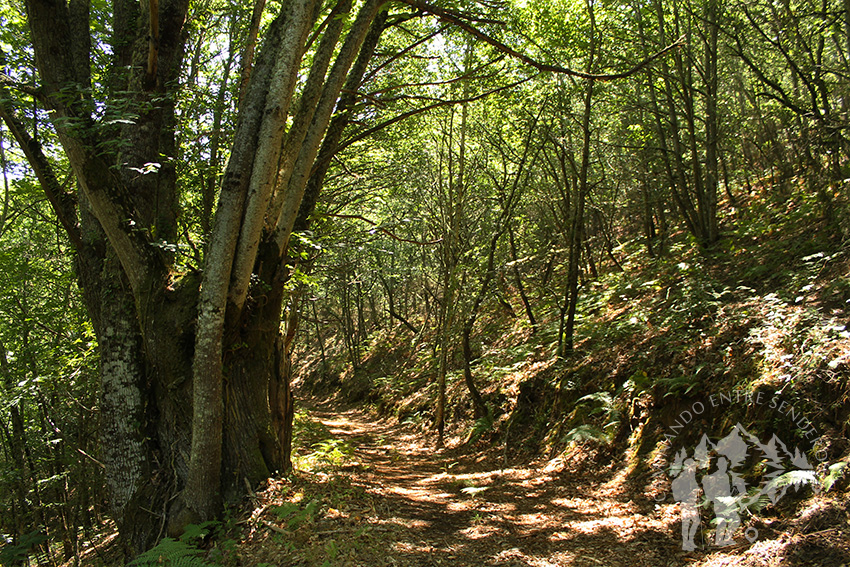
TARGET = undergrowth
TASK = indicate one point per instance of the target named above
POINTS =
(764, 310)
(201, 545)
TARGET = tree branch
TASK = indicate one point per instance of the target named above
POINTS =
(7, 81)
(384, 230)
(471, 74)
(407, 49)
(64, 204)
(285, 210)
(461, 22)
(250, 46)
(368, 132)
(153, 43)
(275, 153)
(66, 87)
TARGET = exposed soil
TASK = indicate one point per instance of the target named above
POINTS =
(399, 502)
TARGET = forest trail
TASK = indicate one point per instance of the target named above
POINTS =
(396, 501)
(419, 506)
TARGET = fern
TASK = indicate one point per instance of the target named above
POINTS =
(607, 407)
(586, 433)
(758, 499)
(293, 515)
(481, 426)
(796, 479)
(171, 552)
(836, 471)
(754, 501)
(680, 385)
(606, 402)
(304, 516)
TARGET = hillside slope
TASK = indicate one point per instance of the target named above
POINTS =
(671, 353)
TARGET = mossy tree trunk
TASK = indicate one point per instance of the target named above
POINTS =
(195, 393)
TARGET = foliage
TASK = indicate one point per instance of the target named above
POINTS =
(586, 432)
(480, 427)
(315, 447)
(12, 554)
(836, 472)
(295, 515)
(187, 550)
(50, 477)
(330, 453)
(176, 552)
(758, 498)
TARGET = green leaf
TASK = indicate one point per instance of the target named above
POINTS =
(171, 552)
(586, 433)
(836, 471)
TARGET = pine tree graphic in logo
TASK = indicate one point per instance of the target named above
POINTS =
(711, 477)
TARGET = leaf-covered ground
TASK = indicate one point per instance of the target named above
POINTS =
(385, 498)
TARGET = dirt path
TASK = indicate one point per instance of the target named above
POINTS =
(396, 502)
(428, 507)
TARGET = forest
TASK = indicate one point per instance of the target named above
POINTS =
(410, 282)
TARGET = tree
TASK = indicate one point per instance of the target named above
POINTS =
(796, 56)
(48, 478)
(189, 359)
(675, 93)
(193, 369)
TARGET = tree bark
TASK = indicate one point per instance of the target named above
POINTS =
(249, 177)
(529, 312)
(711, 123)
(195, 386)
(577, 227)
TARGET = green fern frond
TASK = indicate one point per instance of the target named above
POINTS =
(481, 426)
(758, 499)
(604, 398)
(797, 478)
(755, 501)
(836, 471)
(171, 552)
(17, 554)
(586, 433)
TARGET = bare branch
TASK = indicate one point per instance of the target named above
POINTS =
(368, 132)
(407, 49)
(384, 230)
(461, 22)
(472, 74)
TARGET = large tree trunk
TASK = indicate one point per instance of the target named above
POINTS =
(253, 395)
(194, 370)
(126, 454)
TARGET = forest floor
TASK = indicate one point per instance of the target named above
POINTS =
(387, 498)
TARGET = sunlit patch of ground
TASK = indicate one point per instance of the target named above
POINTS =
(399, 503)
(395, 502)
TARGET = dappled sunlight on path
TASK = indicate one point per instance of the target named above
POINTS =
(395, 501)
(440, 507)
